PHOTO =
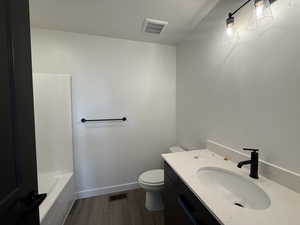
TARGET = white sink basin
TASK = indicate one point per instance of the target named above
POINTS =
(234, 188)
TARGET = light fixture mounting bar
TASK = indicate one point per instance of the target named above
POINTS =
(232, 13)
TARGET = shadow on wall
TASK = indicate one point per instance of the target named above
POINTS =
(242, 92)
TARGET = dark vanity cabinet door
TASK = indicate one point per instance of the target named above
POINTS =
(182, 207)
(173, 212)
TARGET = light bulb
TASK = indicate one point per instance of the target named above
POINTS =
(230, 25)
(259, 7)
(229, 30)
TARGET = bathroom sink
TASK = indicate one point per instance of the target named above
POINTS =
(236, 189)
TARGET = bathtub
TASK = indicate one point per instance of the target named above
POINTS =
(60, 197)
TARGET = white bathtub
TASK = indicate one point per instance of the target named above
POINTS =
(60, 197)
(54, 145)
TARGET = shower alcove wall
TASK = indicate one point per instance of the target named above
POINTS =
(53, 127)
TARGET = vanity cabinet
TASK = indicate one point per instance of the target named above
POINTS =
(182, 207)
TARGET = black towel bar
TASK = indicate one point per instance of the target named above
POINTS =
(83, 120)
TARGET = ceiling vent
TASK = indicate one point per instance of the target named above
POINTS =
(153, 26)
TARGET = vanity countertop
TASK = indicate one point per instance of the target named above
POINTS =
(285, 203)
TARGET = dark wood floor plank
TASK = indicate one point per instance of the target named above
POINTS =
(119, 213)
(158, 218)
(127, 211)
(75, 213)
(100, 214)
(145, 216)
(135, 210)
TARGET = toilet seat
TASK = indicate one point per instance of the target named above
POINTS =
(152, 177)
(152, 182)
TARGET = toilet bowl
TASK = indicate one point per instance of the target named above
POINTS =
(152, 181)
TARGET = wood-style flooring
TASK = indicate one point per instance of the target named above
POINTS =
(104, 211)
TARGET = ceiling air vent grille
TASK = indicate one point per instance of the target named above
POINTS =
(154, 26)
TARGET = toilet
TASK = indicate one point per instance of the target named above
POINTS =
(152, 181)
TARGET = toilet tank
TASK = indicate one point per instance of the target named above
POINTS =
(172, 149)
(176, 149)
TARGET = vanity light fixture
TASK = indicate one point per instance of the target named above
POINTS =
(230, 19)
(261, 6)
(230, 25)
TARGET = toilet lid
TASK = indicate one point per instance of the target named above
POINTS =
(153, 176)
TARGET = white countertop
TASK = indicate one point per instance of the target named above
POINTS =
(285, 203)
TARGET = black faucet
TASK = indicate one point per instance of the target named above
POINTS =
(253, 162)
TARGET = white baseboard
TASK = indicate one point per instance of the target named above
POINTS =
(107, 190)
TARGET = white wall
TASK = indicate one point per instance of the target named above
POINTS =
(113, 78)
(53, 124)
(242, 93)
